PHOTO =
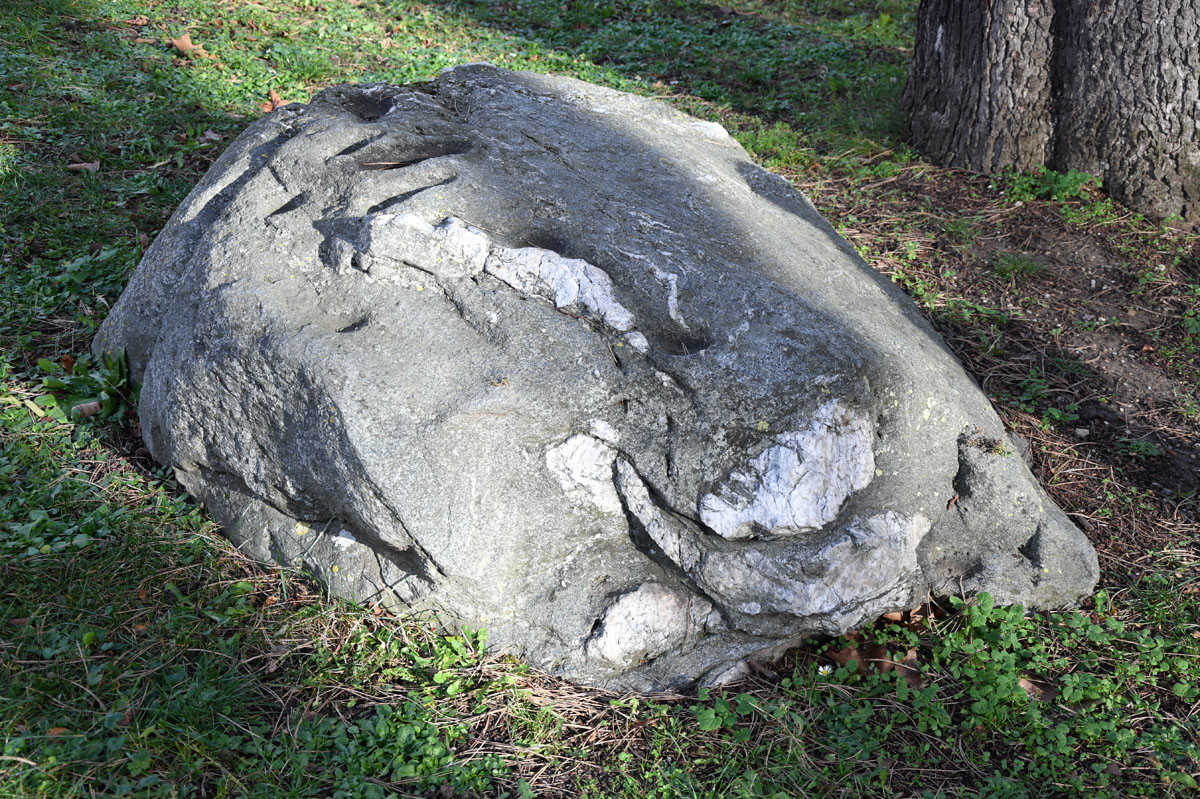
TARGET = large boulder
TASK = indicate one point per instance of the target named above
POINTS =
(561, 362)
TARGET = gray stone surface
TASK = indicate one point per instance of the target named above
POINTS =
(563, 363)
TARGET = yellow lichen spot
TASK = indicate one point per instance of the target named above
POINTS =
(335, 568)
(763, 425)
(420, 287)
(302, 528)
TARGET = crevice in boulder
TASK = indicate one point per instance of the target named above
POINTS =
(217, 196)
(1031, 550)
(640, 537)
(392, 202)
(353, 148)
(291, 205)
(336, 249)
(472, 315)
(682, 345)
(366, 107)
(438, 149)
(356, 326)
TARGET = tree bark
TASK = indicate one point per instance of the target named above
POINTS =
(1108, 87)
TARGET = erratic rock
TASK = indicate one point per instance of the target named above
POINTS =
(561, 362)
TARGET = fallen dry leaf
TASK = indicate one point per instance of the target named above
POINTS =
(90, 166)
(211, 135)
(54, 732)
(910, 670)
(274, 102)
(185, 46)
(844, 655)
(139, 20)
(895, 615)
(143, 240)
(126, 718)
(1040, 690)
(875, 658)
(19, 622)
(16, 87)
(67, 362)
(145, 40)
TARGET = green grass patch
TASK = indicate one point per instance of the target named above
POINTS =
(1017, 266)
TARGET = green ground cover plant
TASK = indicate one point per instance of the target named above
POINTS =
(141, 655)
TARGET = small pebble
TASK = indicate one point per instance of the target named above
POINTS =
(1082, 432)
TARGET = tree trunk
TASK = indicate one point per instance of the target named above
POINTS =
(1108, 87)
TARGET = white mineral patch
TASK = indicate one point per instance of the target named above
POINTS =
(450, 249)
(738, 331)
(646, 622)
(344, 539)
(638, 341)
(672, 281)
(672, 537)
(873, 559)
(571, 284)
(584, 468)
(454, 249)
(711, 130)
(604, 431)
(799, 482)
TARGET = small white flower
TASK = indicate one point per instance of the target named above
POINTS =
(826, 669)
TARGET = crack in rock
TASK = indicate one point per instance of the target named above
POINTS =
(669, 534)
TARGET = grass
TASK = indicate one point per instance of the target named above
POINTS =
(1018, 266)
(140, 655)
